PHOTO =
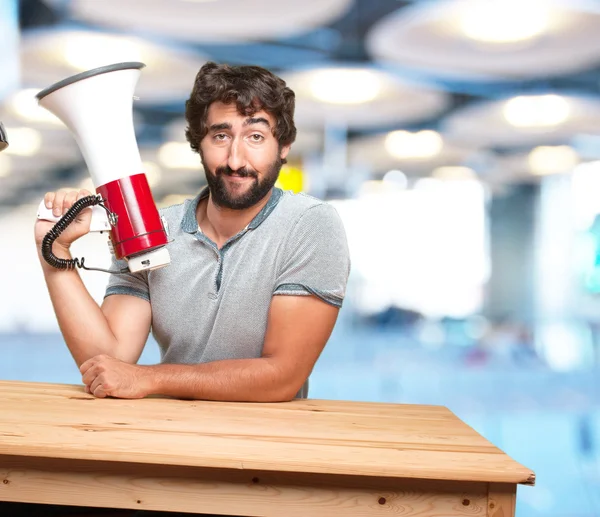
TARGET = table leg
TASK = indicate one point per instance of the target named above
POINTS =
(502, 500)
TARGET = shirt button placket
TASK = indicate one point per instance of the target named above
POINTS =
(213, 295)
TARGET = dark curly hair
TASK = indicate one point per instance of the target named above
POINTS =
(252, 88)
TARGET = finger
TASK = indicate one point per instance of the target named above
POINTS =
(57, 203)
(87, 389)
(96, 388)
(49, 199)
(70, 198)
(85, 366)
(99, 392)
(82, 193)
(89, 376)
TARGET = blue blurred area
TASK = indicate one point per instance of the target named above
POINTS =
(545, 419)
(9, 42)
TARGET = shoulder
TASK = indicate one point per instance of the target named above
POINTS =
(174, 210)
(302, 207)
(309, 218)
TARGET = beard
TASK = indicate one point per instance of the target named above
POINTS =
(227, 196)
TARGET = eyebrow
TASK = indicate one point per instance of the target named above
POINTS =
(220, 127)
(257, 120)
(248, 122)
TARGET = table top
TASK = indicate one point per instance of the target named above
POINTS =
(302, 436)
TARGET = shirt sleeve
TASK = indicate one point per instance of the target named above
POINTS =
(134, 284)
(316, 260)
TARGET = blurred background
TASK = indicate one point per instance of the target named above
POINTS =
(460, 143)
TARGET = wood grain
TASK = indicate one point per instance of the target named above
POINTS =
(188, 489)
(303, 436)
(502, 500)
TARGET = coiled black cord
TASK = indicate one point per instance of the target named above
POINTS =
(61, 226)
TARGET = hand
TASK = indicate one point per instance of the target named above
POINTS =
(60, 202)
(105, 376)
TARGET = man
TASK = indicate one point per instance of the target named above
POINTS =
(257, 275)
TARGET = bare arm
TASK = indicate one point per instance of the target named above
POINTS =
(298, 329)
(119, 328)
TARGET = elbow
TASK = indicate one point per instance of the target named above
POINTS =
(288, 390)
(285, 382)
(283, 396)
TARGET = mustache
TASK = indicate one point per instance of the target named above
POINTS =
(244, 172)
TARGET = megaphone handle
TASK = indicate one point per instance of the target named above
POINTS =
(99, 222)
(60, 227)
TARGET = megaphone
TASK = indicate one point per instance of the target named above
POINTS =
(97, 107)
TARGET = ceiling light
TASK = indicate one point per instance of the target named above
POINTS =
(537, 111)
(454, 173)
(552, 160)
(345, 86)
(503, 21)
(420, 145)
(26, 106)
(87, 51)
(178, 155)
(24, 141)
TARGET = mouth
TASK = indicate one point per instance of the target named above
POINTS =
(242, 175)
(238, 178)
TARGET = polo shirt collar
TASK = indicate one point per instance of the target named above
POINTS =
(189, 223)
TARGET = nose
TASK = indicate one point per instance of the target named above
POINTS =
(236, 159)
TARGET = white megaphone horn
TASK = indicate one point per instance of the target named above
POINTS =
(97, 108)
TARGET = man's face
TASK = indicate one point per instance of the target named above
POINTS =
(241, 157)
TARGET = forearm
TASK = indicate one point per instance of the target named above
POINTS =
(84, 327)
(239, 380)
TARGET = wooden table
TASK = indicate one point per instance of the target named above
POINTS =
(306, 458)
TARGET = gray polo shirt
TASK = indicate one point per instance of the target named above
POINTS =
(212, 304)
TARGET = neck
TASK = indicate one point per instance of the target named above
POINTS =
(220, 224)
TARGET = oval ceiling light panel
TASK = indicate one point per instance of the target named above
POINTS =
(217, 20)
(536, 111)
(360, 97)
(495, 22)
(345, 86)
(51, 55)
(526, 120)
(488, 39)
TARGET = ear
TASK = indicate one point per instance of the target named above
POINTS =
(284, 151)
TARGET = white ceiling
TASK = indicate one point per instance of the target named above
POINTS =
(370, 153)
(427, 37)
(398, 102)
(210, 20)
(430, 75)
(167, 77)
(484, 125)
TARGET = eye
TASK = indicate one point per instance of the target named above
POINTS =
(256, 137)
(219, 137)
